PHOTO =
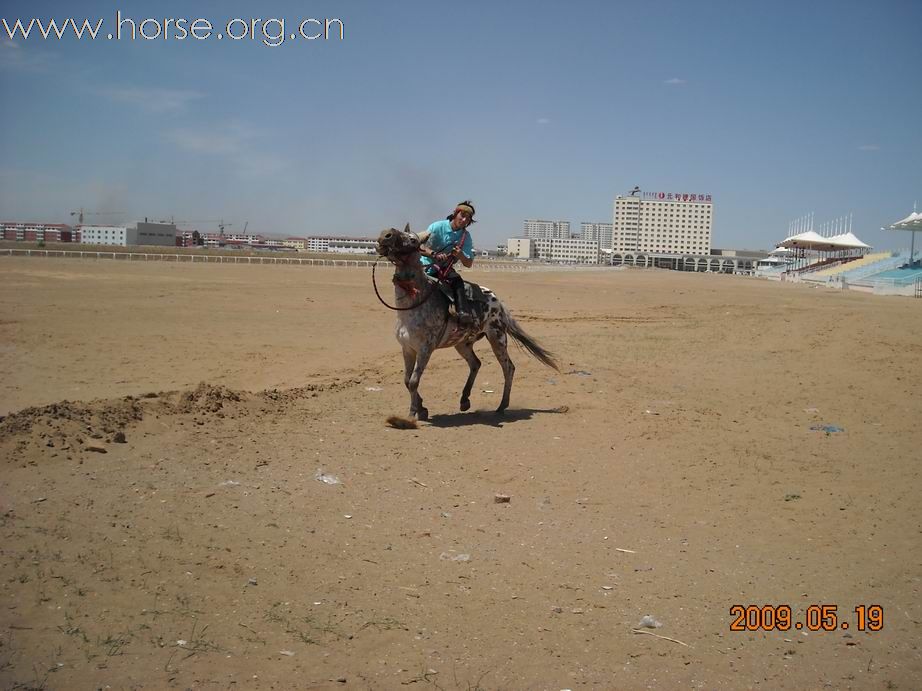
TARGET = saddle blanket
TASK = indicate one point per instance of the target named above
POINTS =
(473, 291)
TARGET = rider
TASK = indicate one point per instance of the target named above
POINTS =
(449, 241)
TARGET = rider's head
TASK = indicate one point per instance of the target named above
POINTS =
(463, 215)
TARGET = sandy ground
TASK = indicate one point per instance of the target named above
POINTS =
(163, 525)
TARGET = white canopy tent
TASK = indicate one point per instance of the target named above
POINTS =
(812, 240)
(913, 223)
(849, 241)
(842, 245)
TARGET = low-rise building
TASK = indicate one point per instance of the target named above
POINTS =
(557, 250)
(341, 244)
(520, 248)
(295, 243)
(158, 234)
(17, 231)
(108, 235)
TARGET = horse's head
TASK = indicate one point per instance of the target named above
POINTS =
(397, 245)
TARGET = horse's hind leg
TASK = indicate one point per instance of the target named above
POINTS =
(499, 343)
(466, 350)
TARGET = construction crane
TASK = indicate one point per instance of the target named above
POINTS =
(81, 213)
(222, 225)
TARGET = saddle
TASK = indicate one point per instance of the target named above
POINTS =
(476, 298)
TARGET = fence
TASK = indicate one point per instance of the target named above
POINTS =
(230, 259)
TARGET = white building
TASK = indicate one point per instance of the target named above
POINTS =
(340, 244)
(520, 248)
(538, 229)
(557, 250)
(295, 243)
(108, 235)
(598, 232)
(242, 238)
(663, 223)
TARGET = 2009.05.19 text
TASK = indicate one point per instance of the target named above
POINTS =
(813, 618)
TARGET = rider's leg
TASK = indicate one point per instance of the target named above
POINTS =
(462, 306)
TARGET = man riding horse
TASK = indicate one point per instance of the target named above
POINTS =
(444, 243)
(423, 321)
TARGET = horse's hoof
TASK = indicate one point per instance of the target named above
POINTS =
(501, 410)
(465, 404)
(422, 415)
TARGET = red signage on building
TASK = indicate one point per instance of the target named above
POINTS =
(677, 197)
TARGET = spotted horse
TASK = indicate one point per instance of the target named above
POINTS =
(425, 324)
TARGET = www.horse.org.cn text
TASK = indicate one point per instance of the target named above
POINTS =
(270, 32)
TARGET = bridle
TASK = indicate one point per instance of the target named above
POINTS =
(408, 287)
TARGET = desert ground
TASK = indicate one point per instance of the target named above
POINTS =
(172, 434)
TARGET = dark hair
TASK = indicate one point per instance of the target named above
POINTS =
(466, 202)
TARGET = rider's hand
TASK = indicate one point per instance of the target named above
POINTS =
(441, 257)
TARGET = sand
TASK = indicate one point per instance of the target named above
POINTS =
(166, 524)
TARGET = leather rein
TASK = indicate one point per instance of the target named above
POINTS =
(408, 285)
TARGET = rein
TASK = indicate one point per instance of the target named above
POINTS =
(406, 284)
(410, 287)
(443, 271)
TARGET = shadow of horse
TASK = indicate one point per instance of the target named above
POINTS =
(491, 417)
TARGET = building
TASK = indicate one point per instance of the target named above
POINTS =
(598, 232)
(541, 230)
(108, 235)
(520, 248)
(36, 232)
(341, 244)
(299, 244)
(239, 238)
(144, 233)
(663, 223)
(158, 234)
(557, 250)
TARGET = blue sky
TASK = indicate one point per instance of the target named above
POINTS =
(532, 109)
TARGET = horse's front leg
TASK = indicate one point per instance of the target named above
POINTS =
(409, 364)
(414, 366)
(466, 350)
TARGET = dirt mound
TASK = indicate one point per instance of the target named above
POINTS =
(77, 426)
(104, 417)
(208, 398)
(71, 426)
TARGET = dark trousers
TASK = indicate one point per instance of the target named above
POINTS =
(462, 306)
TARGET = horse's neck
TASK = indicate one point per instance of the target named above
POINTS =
(409, 281)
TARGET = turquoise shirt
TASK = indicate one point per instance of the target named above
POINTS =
(443, 239)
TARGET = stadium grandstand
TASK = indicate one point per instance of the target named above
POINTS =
(842, 260)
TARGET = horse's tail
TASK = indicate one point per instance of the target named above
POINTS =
(530, 344)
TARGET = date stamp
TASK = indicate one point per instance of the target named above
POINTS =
(813, 618)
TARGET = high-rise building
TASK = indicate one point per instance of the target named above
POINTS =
(545, 230)
(663, 223)
(598, 232)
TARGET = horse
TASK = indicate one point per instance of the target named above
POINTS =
(424, 323)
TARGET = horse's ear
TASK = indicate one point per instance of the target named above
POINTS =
(407, 229)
